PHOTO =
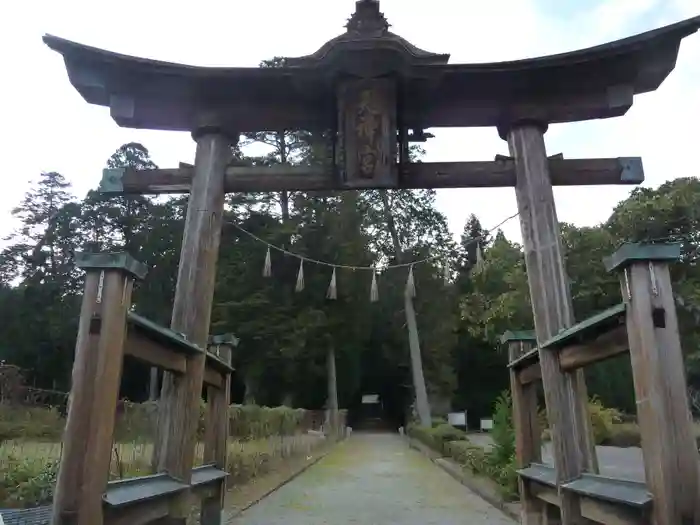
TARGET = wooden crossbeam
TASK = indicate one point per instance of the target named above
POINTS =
(479, 174)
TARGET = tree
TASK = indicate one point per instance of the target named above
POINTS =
(40, 250)
(130, 212)
(39, 262)
(671, 213)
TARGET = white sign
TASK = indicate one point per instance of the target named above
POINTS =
(486, 424)
(457, 419)
(370, 399)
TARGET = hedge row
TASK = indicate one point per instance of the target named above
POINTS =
(453, 443)
(28, 477)
(136, 422)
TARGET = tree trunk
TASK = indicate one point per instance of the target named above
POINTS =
(284, 195)
(422, 405)
(332, 390)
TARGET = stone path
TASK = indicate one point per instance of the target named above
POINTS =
(373, 479)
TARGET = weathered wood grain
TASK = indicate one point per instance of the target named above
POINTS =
(528, 446)
(565, 394)
(474, 174)
(84, 469)
(610, 514)
(604, 347)
(670, 454)
(180, 396)
(530, 373)
(215, 441)
(148, 351)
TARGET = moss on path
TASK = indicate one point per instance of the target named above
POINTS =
(373, 479)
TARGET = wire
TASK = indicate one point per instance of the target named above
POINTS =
(372, 268)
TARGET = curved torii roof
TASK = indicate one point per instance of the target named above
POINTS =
(597, 82)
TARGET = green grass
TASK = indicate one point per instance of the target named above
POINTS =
(28, 468)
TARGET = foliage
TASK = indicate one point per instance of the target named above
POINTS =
(443, 434)
(286, 335)
(454, 443)
(34, 423)
(27, 482)
(602, 420)
(503, 432)
(250, 459)
(624, 435)
(251, 422)
(30, 481)
(260, 438)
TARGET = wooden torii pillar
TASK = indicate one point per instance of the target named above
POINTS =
(552, 308)
(192, 307)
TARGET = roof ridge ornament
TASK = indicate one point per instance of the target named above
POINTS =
(368, 19)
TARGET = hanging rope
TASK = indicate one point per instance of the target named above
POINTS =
(332, 292)
(369, 268)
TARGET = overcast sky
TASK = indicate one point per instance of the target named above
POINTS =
(47, 126)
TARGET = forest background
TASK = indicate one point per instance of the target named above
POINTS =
(285, 334)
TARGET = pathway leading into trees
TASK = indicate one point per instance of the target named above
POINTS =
(373, 479)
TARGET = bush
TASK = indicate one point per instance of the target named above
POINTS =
(497, 464)
(247, 422)
(438, 437)
(250, 459)
(422, 434)
(501, 458)
(443, 434)
(624, 435)
(503, 432)
(602, 420)
(36, 423)
(27, 482)
(468, 455)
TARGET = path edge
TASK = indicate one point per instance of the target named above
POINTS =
(291, 478)
(512, 510)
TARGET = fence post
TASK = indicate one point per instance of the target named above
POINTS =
(668, 445)
(528, 447)
(99, 348)
(216, 429)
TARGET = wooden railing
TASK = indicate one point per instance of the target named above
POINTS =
(108, 331)
(645, 325)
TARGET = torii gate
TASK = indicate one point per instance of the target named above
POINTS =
(376, 93)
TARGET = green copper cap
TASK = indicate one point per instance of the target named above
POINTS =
(112, 180)
(640, 251)
(224, 339)
(518, 335)
(111, 261)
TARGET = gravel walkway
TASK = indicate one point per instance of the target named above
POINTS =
(373, 479)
